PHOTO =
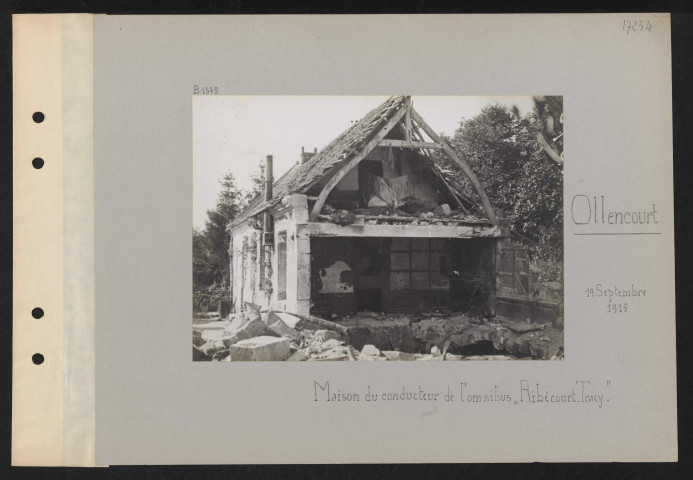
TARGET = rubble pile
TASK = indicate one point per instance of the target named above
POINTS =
(428, 213)
(370, 336)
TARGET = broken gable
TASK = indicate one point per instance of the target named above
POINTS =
(389, 177)
(392, 134)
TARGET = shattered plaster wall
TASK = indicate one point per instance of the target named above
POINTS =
(250, 282)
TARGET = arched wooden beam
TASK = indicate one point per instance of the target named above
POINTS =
(341, 173)
(462, 164)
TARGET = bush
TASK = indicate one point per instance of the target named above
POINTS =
(207, 299)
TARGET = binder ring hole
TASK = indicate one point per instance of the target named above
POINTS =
(37, 358)
(38, 117)
(37, 313)
(37, 163)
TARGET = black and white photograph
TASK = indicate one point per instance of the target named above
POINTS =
(377, 229)
(344, 188)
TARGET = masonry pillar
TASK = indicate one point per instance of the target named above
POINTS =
(298, 256)
(231, 282)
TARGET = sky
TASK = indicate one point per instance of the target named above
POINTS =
(235, 133)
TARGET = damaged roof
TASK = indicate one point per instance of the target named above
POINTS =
(301, 177)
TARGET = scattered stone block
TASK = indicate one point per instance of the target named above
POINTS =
(237, 322)
(397, 355)
(253, 328)
(370, 350)
(297, 356)
(325, 335)
(290, 320)
(228, 341)
(435, 351)
(338, 354)
(211, 335)
(281, 329)
(263, 348)
(249, 306)
(210, 348)
(198, 355)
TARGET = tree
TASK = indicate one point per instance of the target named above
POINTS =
(203, 269)
(228, 206)
(504, 151)
(210, 247)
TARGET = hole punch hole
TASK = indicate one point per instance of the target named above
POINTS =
(37, 312)
(38, 117)
(37, 163)
(37, 358)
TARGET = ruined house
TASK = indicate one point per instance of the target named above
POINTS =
(371, 223)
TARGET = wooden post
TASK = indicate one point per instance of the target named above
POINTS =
(463, 165)
(266, 219)
(268, 178)
(407, 120)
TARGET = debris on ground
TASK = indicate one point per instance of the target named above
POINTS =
(434, 335)
(413, 212)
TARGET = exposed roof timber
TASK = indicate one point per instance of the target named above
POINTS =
(407, 120)
(355, 160)
(463, 198)
(438, 173)
(459, 198)
(408, 144)
(462, 164)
